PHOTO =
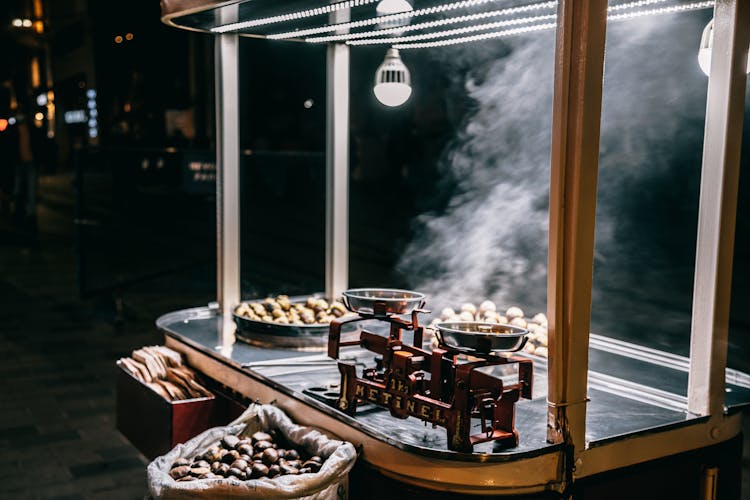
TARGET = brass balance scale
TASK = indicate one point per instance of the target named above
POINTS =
(445, 386)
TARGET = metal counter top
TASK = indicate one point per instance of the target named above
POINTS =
(632, 390)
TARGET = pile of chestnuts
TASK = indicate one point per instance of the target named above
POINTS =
(243, 458)
(313, 311)
(487, 312)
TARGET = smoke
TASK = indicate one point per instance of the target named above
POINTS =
(490, 241)
(651, 146)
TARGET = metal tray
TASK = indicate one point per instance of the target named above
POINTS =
(298, 337)
(382, 300)
(250, 325)
(313, 336)
(478, 337)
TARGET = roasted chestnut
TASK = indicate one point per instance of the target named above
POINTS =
(294, 463)
(258, 470)
(262, 445)
(199, 471)
(261, 436)
(288, 469)
(245, 449)
(270, 456)
(237, 473)
(230, 457)
(311, 464)
(239, 464)
(229, 441)
(179, 471)
(180, 461)
(212, 454)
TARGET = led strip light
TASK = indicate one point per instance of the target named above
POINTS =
(407, 15)
(473, 38)
(303, 14)
(541, 27)
(453, 32)
(456, 20)
(419, 26)
(662, 10)
(351, 38)
(633, 5)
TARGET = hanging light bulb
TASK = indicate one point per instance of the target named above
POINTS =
(386, 7)
(390, 7)
(392, 80)
(707, 43)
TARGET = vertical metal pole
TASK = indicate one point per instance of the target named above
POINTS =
(227, 180)
(337, 170)
(576, 119)
(718, 207)
(710, 483)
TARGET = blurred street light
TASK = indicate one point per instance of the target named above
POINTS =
(128, 37)
(22, 23)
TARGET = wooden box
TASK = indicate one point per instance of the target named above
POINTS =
(154, 425)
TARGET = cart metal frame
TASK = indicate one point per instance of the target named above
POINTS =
(578, 77)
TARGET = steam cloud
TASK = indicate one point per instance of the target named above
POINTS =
(491, 239)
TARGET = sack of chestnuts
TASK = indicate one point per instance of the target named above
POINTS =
(262, 454)
(246, 458)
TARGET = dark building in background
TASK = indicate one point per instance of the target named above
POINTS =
(153, 90)
(119, 107)
(102, 74)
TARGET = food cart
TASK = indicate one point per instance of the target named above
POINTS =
(605, 417)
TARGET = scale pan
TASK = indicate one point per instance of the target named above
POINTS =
(479, 337)
(382, 301)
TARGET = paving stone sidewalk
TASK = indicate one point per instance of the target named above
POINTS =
(57, 400)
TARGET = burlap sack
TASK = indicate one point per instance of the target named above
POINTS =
(330, 483)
